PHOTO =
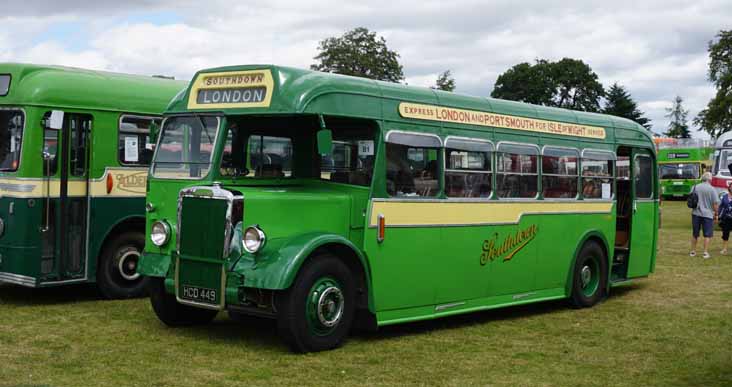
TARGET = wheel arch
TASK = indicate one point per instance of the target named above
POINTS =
(590, 236)
(340, 247)
(128, 223)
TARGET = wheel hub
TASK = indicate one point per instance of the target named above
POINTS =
(586, 276)
(330, 306)
(127, 265)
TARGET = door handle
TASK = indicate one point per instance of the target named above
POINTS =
(635, 207)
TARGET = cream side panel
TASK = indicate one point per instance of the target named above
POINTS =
(126, 182)
(435, 213)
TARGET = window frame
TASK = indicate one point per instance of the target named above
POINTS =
(440, 153)
(613, 177)
(220, 120)
(537, 174)
(492, 160)
(119, 136)
(635, 177)
(577, 176)
(22, 135)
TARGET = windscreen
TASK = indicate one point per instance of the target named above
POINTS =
(185, 147)
(679, 171)
(11, 134)
(724, 159)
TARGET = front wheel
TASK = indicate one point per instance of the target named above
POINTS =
(172, 313)
(316, 312)
(589, 279)
(117, 275)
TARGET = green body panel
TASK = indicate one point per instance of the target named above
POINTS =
(643, 247)
(418, 272)
(103, 97)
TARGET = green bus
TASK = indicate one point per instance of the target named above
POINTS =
(75, 146)
(680, 168)
(328, 202)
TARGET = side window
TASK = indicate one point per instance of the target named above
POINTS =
(643, 177)
(597, 174)
(135, 146)
(468, 169)
(79, 127)
(559, 171)
(50, 152)
(352, 159)
(412, 165)
(50, 148)
(516, 171)
(270, 156)
(623, 166)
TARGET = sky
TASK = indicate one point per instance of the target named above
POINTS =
(656, 49)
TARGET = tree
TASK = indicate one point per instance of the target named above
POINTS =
(445, 81)
(717, 117)
(677, 128)
(569, 83)
(577, 86)
(619, 103)
(359, 53)
(526, 83)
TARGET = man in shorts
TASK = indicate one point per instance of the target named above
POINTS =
(705, 213)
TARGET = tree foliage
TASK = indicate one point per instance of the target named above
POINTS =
(569, 83)
(360, 53)
(618, 102)
(717, 117)
(677, 127)
(445, 82)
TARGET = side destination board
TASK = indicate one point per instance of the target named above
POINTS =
(475, 117)
(231, 89)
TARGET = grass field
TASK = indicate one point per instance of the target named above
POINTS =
(672, 329)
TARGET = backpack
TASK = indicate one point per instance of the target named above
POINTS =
(693, 200)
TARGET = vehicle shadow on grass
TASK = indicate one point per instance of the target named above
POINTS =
(22, 296)
(253, 333)
(488, 316)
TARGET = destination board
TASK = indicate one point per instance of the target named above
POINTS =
(231, 90)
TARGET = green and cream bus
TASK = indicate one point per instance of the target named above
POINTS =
(75, 146)
(681, 164)
(327, 202)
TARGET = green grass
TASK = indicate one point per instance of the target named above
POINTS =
(672, 329)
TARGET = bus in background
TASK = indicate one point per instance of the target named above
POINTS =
(681, 164)
(722, 159)
(326, 201)
(74, 149)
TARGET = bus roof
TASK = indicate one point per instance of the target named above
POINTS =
(723, 141)
(67, 87)
(303, 91)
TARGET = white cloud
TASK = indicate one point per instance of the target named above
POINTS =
(656, 49)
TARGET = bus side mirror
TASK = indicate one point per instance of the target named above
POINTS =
(56, 121)
(325, 142)
(729, 166)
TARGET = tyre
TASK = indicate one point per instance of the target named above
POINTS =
(316, 312)
(172, 313)
(117, 275)
(589, 279)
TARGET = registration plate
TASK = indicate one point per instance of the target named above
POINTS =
(678, 183)
(199, 294)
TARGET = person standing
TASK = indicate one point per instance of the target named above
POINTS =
(725, 218)
(704, 215)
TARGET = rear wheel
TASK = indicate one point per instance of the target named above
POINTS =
(316, 312)
(172, 313)
(117, 275)
(589, 280)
